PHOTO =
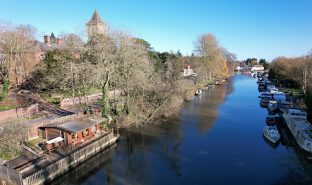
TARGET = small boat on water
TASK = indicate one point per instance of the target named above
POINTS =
(272, 106)
(272, 90)
(270, 120)
(265, 98)
(273, 145)
(300, 127)
(271, 133)
(261, 87)
(283, 106)
(279, 96)
(198, 92)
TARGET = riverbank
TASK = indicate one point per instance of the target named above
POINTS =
(215, 135)
(184, 92)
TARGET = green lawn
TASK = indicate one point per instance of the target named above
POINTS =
(294, 92)
(33, 144)
(8, 156)
(7, 107)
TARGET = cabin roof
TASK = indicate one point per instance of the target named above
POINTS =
(76, 125)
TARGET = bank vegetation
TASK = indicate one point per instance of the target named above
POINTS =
(151, 82)
(295, 74)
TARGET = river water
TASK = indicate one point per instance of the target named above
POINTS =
(216, 139)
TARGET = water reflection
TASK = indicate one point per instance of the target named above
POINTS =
(216, 139)
(206, 109)
(80, 173)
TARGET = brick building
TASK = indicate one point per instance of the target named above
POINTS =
(73, 132)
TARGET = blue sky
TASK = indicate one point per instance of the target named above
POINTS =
(248, 28)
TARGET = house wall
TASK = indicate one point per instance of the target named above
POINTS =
(52, 133)
(69, 141)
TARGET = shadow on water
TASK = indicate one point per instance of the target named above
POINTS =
(79, 174)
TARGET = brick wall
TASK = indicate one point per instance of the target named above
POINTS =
(19, 112)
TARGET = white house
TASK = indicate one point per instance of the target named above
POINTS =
(188, 71)
(238, 68)
(257, 68)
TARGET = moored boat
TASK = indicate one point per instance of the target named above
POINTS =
(198, 92)
(272, 106)
(270, 120)
(265, 98)
(301, 129)
(261, 87)
(283, 106)
(279, 96)
(271, 133)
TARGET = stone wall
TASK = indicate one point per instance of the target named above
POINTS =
(79, 100)
(19, 112)
(88, 99)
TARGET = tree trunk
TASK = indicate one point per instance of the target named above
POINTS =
(126, 105)
(105, 100)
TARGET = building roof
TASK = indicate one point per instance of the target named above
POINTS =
(21, 161)
(52, 36)
(77, 125)
(42, 47)
(95, 19)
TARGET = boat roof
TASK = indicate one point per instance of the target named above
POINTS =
(296, 111)
(285, 102)
(272, 101)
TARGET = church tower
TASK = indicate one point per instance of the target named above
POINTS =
(96, 25)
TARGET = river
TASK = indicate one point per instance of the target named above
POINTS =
(216, 139)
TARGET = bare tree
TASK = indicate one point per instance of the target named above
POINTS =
(100, 52)
(72, 42)
(16, 44)
(213, 63)
(12, 135)
(134, 70)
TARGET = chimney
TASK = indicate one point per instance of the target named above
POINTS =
(59, 41)
(46, 39)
